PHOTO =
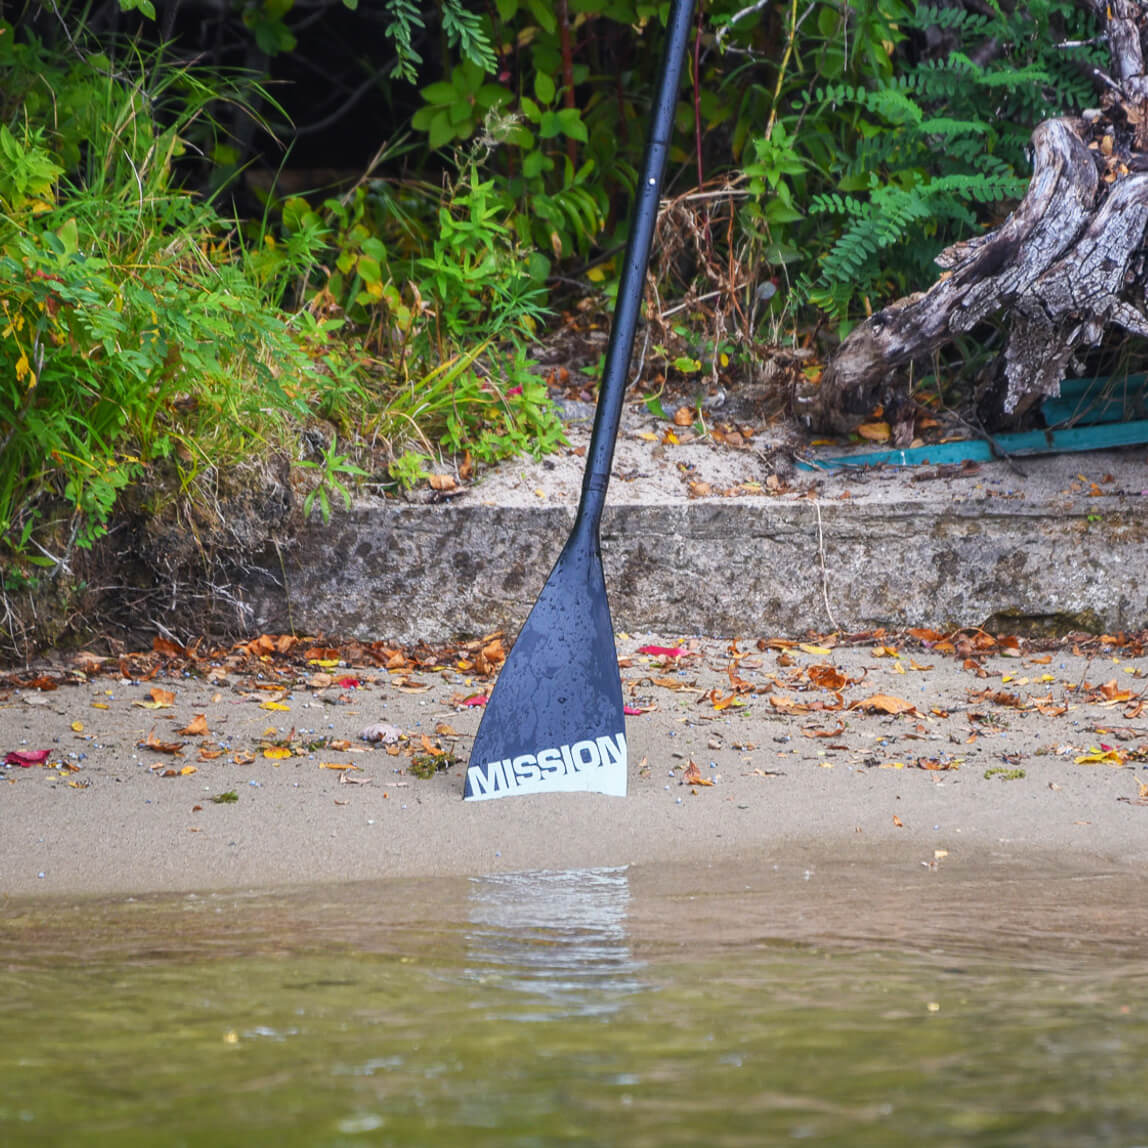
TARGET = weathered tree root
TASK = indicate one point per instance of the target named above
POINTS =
(1063, 267)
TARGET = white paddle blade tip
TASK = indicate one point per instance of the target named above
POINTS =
(593, 765)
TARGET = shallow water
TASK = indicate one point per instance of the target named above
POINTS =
(802, 1002)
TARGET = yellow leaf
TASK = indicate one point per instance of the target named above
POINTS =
(817, 651)
(187, 769)
(336, 765)
(273, 706)
(1097, 755)
(77, 727)
(100, 705)
(648, 436)
(326, 663)
(875, 432)
(276, 752)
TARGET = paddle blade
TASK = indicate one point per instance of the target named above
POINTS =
(555, 720)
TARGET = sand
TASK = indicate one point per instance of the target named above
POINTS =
(1032, 755)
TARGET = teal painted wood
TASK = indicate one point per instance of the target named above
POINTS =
(1079, 438)
(1084, 402)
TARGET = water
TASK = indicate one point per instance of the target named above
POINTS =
(807, 1003)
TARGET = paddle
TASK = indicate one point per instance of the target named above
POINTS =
(555, 719)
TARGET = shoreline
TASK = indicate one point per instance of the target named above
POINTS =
(1031, 754)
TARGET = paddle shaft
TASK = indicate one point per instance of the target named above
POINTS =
(612, 392)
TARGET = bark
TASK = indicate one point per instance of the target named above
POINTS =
(1065, 266)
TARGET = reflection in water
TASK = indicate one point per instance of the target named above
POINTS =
(558, 936)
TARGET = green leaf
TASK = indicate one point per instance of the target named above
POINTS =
(544, 14)
(440, 132)
(440, 93)
(535, 163)
(570, 121)
(544, 88)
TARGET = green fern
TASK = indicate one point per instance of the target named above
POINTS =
(938, 148)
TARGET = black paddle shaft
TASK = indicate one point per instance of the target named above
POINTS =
(644, 216)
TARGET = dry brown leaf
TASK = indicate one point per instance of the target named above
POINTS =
(152, 742)
(683, 417)
(693, 775)
(442, 482)
(827, 677)
(810, 731)
(197, 727)
(898, 822)
(786, 705)
(884, 703)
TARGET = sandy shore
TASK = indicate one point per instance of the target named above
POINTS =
(1041, 752)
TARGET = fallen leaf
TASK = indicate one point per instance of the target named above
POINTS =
(1103, 754)
(77, 727)
(875, 432)
(441, 482)
(276, 752)
(197, 727)
(162, 697)
(444, 730)
(152, 742)
(923, 635)
(809, 731)
(885, 703)
(898, 822)
(937, 763)
(827, 677)
(228, 798)
(683, 417)
(188, 769)
(269, 705)
(816, 651)
(336, 765)
(693, 776)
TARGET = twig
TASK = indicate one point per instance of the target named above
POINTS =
(755, 7)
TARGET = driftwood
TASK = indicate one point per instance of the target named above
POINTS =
(1066, 264)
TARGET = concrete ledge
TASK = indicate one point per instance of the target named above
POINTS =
(1066, 543)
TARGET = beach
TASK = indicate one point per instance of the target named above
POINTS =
(241, 769)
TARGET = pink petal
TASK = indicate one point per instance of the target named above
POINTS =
(662, 651)
(26, 758)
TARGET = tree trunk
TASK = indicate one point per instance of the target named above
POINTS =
(1067, 263)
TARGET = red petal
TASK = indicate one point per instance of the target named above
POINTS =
(662, 651)
(476, 700)
(26, 758)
